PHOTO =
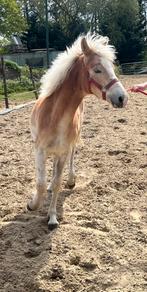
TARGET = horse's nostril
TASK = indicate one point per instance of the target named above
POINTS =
(121, 99)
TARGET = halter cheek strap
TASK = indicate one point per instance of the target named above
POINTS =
(101, 88)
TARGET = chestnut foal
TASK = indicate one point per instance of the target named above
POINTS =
(85, 68)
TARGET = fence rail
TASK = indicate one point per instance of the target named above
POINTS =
(32, 77)
(134, 68)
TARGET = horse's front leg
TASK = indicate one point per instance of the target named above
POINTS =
(50, 186)
(38, 196)
(71, 175)
(56, 184)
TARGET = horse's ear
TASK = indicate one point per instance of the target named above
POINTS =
(85, 48)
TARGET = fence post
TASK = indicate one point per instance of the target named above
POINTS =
(5, 84)
(33, 82)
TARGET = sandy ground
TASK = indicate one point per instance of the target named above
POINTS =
(101, 242)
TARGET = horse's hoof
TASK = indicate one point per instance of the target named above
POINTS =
(29, 208)
(52, 226)
(71, 186)
(49, 191)
(49, 188)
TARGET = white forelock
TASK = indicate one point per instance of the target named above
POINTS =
(60, 67)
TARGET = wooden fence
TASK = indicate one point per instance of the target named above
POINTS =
(134, 68)
(4, 79)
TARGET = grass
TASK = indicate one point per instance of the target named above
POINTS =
(17, 98)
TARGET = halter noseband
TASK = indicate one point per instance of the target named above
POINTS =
(101, 88)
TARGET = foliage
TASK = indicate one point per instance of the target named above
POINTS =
(3, 50)
(11, 18)
(59, 36)
(18, 86)
(71, 16)
(123, 21)
(3, 43)
(37, 73)
(19, 97)
(124, 31)
(12, 65)
(24, 83)
(118, 70)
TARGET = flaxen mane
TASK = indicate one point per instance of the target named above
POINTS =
(63, 63)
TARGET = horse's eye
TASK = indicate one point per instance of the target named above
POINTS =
(97, 71)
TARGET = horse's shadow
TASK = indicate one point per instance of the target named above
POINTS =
(26, 247)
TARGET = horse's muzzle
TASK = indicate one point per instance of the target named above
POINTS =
(119, 102)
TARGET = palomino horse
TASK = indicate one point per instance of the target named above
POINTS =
(85, 68)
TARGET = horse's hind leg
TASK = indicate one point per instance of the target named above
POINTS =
(56, 184)
(38, 196)
(71, 175)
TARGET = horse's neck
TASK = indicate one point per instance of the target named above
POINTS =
(73, 89)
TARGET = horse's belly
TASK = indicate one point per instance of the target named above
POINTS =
(61, 144)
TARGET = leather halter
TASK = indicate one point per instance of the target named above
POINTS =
(101, 88)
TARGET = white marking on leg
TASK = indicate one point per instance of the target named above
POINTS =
(56, 184)
(38, 196)
(50, 186)
(71, 175)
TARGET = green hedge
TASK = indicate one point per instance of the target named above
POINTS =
(118, 70)
(18, 86)
(12, 65)
(37, 72)
(25, 83)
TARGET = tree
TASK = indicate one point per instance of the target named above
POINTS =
(121, 22)
(64, 18)
(34, 37)
(70, 15)
(95, 10)
(143, 17)
(11, 19)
